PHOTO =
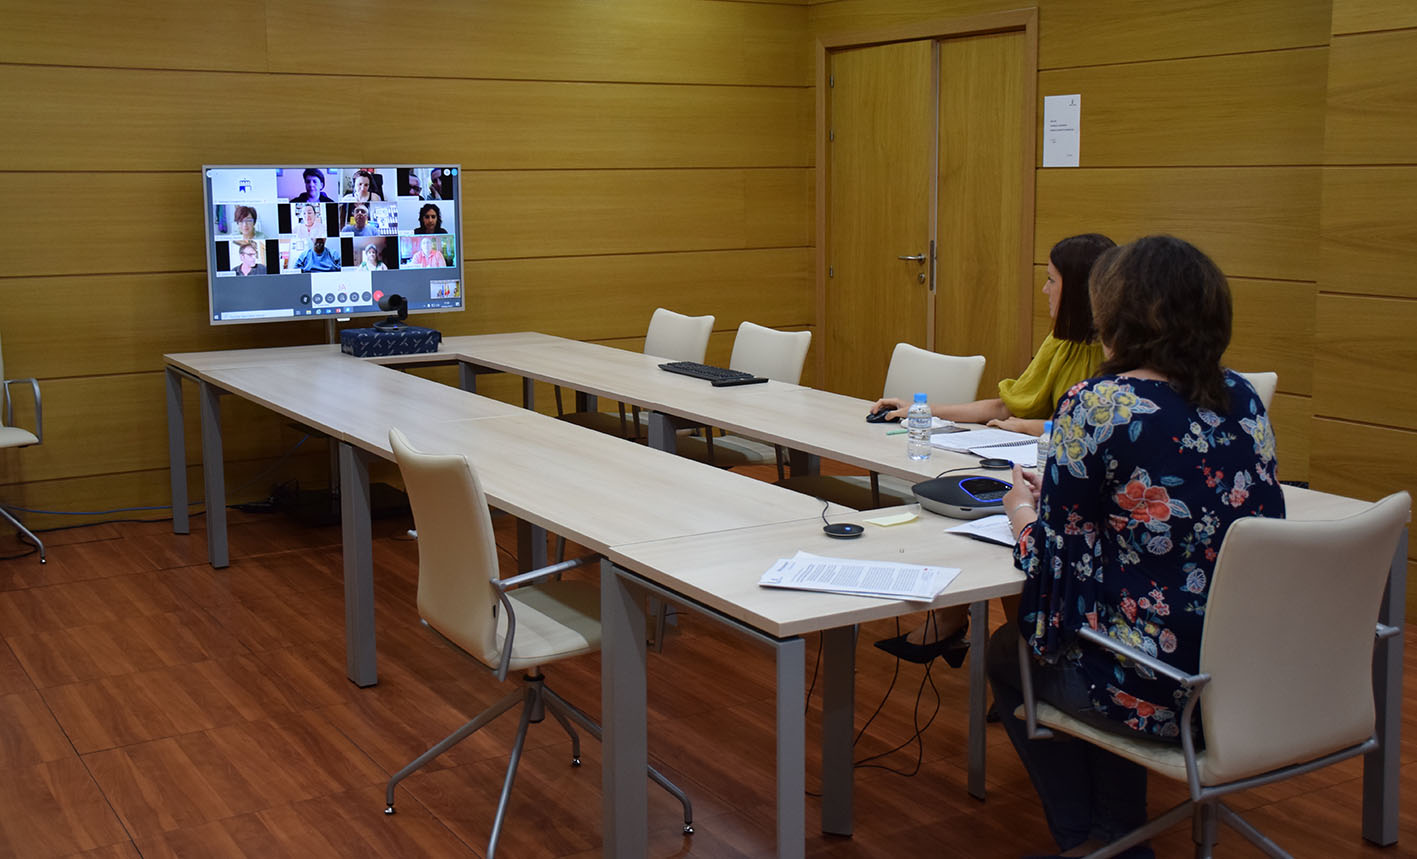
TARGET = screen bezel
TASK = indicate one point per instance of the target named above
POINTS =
(454, 272)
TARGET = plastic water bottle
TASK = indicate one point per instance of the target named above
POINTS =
(1045, 445)
(917, 422)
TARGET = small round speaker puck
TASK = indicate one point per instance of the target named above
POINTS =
(991, 463)
(843, 530)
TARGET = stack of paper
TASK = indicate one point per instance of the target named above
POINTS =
(808, 572)
(1018, 448)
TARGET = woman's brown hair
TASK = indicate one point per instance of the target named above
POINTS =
(1074, 257)
(1162, 304)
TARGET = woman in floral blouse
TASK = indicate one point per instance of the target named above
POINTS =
(1152, 461)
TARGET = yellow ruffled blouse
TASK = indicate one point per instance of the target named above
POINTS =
(1058, 366)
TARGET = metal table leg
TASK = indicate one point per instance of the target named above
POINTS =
(791, 748)
(177, 453)
(978, 695)
(1382, 767)
(213, 473)
(661, 433)
(623, 714)
(838, 727)
(531, 546)
(360, 659)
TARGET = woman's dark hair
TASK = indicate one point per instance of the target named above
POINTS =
(423, 210)
(1161, 304)
(1073, 257)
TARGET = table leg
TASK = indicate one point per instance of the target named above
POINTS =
(838, 727)
(800, 462)
(467, 377)
(213, 474)
(661, 433)
(528, 393)
(587, 402)
(791, 749)
(360, 660)
(177, 453)
(1381, 767)
(623, 707)
(978, 695)
(531, 546)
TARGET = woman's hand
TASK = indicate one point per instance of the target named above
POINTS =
(1021, 502)
(894, 405)
(1013, 424)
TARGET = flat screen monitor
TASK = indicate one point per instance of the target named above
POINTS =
(302, 242)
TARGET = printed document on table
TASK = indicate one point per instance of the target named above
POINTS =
(989, 437)
(990, 529)
(808, 572)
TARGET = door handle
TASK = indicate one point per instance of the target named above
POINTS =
(915, 257)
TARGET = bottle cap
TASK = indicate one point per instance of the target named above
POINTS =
(1048, 426)
(920, 398)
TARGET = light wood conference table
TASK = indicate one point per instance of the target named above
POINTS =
(669, 542)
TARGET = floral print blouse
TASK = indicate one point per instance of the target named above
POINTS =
(1136, 499)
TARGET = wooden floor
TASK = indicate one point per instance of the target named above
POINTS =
(152, 706)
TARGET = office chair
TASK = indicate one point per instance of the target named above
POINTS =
(13, 436)
(514, 624)
(671, 336)
(777, 355)
(1307, 657)
(1264, 385)
(945, 379)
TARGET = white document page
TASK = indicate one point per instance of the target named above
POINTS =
(991, 529)
(991, 437)
(1062, 130)
(810, 572)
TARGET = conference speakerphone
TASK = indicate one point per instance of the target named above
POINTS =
(962, 496)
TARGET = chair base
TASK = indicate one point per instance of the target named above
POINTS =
(537, 701)
(1205, 816)
(26, 533)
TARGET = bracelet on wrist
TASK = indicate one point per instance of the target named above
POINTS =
(1018, 507)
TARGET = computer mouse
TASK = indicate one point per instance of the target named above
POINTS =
(880, 417)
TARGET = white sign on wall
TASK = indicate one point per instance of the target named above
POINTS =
(1062, 116)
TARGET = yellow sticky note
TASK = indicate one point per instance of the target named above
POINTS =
(897, 519)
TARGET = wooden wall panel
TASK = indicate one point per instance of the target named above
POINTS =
(525, 124)
(1364, 461)
(1199, 111)
(627, 40)
(1369, 225)
(1092, 32)
(1292, 417)
(1254, 222)
(608, 297)
(1372, 99)
(553, 213)
(156, 120)
(1273, 330)
(183, 35)
(1361, 16)
(1365, 353)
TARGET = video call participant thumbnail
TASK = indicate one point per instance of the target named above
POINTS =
(371, 257)
(364, 187)
(310, 222)
(440, 185)
(243, 223)
(317, 258)
(314, 188)
(430, 221)
(358, 221)
(427, 255)
(247, 255)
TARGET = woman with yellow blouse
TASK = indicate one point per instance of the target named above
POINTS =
(1069, 354)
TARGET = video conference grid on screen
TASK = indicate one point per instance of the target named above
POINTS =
(295, 242)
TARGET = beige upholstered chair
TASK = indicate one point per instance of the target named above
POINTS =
(672, 336)
(1285, 685)
(13, 436)
(767, 352)
(945, 379)
(1264, 384)
(514, 624)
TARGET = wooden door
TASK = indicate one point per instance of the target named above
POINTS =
(983, 272)
(881, 149)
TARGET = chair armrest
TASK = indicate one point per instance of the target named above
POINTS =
(1187, 681)
(1385, 631)
(1030, 711)
(504, 585)
(38, 407)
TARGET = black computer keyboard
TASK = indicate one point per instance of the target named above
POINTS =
(717, 376)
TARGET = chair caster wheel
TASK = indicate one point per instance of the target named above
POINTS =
(389, 810)
(576, 761)
(688, 829)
